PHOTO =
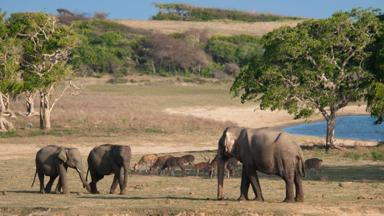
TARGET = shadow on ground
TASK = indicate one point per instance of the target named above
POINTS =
(118, 197)
(362, 173)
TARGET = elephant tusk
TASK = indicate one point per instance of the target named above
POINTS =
(78, 170)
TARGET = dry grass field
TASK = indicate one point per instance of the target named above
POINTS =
(212, 28)
(351, 182)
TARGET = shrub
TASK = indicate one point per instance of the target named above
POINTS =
(106, 47)
(163, 53)
(175, 11)
(238, 49)
(377, 155)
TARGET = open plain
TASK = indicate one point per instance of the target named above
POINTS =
(174, 116)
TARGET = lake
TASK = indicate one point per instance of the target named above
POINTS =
(359, 127)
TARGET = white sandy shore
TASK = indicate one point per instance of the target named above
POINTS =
(255, 118)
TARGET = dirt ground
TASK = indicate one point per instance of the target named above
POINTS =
(159, 115)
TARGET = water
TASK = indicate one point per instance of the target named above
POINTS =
(359, 127)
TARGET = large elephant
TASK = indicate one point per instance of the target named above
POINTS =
(54, 161)
(265, 150)
(109, 159)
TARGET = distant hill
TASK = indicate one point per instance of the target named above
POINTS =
(212, 27)
(186, 12)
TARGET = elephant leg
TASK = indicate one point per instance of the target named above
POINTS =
(63, 178)
(123, 180)
(254, 180)
(41, 181)
(257, 188)
(244, 186)
(299, 188)
(58, 187)
(289, 194)
(95, 178)
(48, 187)
(114, 183)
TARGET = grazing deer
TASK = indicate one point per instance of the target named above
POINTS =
(171, 163)
(145, 161)
(188, 159)
(230, 167)
(313, 163)
(204, 166)
(159, 162)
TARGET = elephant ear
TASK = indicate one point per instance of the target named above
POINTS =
(63, 155)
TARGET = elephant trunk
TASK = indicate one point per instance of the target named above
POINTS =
(220, 178)
(82, 178)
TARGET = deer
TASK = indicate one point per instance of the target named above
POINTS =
(204, 166)
(171, 163)
(159, 162)
(188, 159)
(146, 161)
(313, 163)
(230, 167)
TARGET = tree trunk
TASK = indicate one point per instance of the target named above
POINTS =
(331, 123)
(29, 103)
(5, 125)
(45, 112)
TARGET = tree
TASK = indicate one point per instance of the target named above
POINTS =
(375, 96)
(317, 65)
(46, 49)
(9, 73)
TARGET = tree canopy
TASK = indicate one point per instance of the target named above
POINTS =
(317, 65)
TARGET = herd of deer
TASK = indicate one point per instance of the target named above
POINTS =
(151, 162)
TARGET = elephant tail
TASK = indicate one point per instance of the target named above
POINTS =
(300, 165)
(34, 178)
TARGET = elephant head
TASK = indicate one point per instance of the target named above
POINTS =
(227, 148)
(72, 158)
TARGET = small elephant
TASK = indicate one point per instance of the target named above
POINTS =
(54, 161)
(109, 159)
(265, 150)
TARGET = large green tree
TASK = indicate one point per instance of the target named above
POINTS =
(46, 49)
(10, 84)
(375, 97)
(317, 65)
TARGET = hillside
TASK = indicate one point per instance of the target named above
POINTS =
(213, 28)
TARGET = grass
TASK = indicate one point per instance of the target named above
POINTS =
(362, 190)
(212, 28)
(105, 110)
(350, 182)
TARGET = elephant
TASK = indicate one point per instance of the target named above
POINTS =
(109, 159)
(267, 150)
(53, 161)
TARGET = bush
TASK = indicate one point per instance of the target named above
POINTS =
(106, 47)
(377, 155)
(185, 12)
(238, 49)
(172, 55)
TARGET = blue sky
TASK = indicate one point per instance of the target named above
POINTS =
(143, 9)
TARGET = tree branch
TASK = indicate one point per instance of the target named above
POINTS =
(60, 96)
